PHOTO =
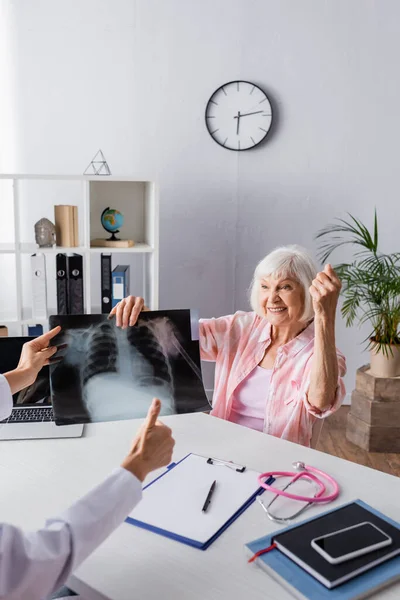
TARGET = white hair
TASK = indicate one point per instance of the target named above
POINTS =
(293, 262)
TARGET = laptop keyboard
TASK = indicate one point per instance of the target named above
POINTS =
(31, 415)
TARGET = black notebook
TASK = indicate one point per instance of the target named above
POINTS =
(296, 544)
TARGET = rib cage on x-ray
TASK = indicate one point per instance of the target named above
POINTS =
(133, 355)
(143, 338)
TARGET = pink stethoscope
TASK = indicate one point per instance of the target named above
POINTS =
(304, 472)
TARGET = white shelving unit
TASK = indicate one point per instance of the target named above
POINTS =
(24, 199)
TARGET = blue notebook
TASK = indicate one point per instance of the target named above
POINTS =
(172, 504)
(304, 586)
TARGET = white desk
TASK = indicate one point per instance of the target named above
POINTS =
(41, 478)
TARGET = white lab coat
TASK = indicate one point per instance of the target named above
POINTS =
(36, 564)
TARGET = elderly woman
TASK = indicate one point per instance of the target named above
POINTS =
(277, 368)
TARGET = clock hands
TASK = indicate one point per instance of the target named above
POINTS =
(239, 115)
(247, 114)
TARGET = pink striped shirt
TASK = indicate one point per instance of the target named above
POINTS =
(237, 343)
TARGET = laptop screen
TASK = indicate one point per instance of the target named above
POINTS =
(39, 391)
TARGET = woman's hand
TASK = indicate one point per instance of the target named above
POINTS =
(127, 311)
(325, 290)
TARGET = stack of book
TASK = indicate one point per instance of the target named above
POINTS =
(307, 575)
(66, 221)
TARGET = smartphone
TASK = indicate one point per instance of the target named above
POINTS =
(351, 542)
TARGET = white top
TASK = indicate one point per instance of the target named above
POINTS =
(36, 564)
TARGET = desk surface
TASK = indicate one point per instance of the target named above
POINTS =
(42, 477)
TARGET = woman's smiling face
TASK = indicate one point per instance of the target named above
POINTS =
(281, 300)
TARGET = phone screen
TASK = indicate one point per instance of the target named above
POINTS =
(351, 540)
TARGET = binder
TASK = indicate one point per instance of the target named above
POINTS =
(172, 504)
(106, 286)
(35, 330)
(75, 284)
(39, 287)
(304, 586)
(62, 284)
(120, 283)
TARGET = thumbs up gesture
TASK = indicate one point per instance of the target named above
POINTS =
(152, 446)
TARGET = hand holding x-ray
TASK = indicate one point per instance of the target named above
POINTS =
(127, 311)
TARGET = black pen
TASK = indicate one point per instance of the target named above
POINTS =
(209, 495)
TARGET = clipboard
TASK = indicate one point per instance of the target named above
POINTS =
(172, 503)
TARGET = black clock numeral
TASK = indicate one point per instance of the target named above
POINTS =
(210, 117)
(261, 101)
(213, 101)
(223, 89)
(215, 131)
(252, 140)
(262, 128)
(225, 141)
(252, 89)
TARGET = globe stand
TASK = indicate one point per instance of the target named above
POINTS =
(110, 243)
(113, 237)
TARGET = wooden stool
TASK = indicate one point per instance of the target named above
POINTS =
(373, 422)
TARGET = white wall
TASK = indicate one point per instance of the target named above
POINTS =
(133, 77)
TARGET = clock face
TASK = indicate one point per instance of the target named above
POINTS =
(238, 115)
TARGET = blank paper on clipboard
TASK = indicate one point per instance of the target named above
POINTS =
(172, 504)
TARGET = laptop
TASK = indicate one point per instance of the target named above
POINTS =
(32, 415)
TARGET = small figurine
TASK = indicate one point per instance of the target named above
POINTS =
(98, 165)
(45, 233)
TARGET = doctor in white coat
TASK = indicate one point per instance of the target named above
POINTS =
(36, 564)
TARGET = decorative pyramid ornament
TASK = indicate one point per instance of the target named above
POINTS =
(98, 165)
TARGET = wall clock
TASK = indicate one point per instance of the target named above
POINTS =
(238, 115)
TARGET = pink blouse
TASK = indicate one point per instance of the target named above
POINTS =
(249, 399)
(237, 343)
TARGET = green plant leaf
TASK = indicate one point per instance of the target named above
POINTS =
(376, 232)
(370, 283)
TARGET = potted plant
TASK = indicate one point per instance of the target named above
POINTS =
(371, 289)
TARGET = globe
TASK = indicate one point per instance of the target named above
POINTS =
(112, 220)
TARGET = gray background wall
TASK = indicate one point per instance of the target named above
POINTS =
(133, 77)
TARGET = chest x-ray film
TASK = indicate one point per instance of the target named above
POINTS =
(108, 373)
